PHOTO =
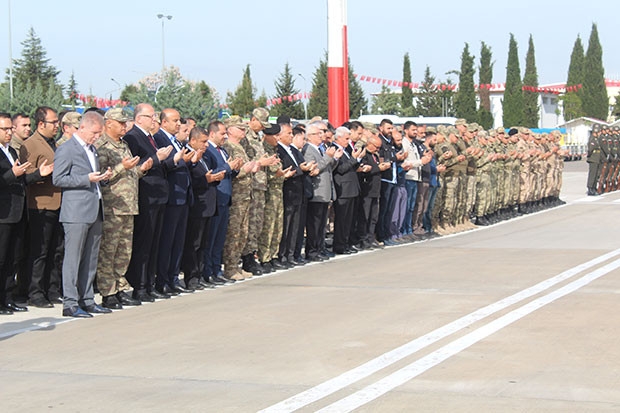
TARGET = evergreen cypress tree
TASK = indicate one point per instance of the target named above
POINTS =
(34, 65)
(285, 87)
(428, 102)
(358, 104)
(513, 95)
(465, 99)
(595, 99)
(242, 102)
(406, 92)
(530, 79)
(317, 105)
(572, 99)
(485, 73)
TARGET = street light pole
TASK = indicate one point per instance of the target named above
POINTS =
(163, 18)
(10, 57)
(305, 97)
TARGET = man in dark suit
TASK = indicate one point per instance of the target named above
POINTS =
(322, 189)
(204, 183)
(218, 160)
(76, 171)
(180, 197)
(292, 194)
(13, 179)
(152, 199)
(347, 190)
(370, 192)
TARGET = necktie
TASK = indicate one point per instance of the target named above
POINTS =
(151, 141)
(322, 150)
(374, 156)
(223, 153)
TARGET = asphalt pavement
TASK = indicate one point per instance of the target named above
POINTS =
(519, 316)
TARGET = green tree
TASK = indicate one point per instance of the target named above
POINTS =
(386, 102)
(428, 102)
(530, 80)
(572, 99)
(595, 99)
(317, 105)
(513, 95)
(406, 92)
(285, 87)
(191, 99)
(485, 76)
(465, 99)
(34, 65)
(358, 104)
(72, 91)
(445, 98)
(242, 102)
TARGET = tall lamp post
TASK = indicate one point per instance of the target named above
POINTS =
(10, 57)
(163, 18)
(305, 97)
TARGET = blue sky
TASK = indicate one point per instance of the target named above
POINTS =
(214, 40)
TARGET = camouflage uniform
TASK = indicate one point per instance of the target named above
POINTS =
(120, 197)
(271, 234)
(446, 207)
(255, 150)
(238, 221)
(483, 183)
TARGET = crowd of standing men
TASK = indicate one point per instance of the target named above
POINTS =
(131, 203)
(603, 159)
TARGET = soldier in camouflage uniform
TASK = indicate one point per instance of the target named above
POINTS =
(237, 232)
(271, 234)
(253, 146)
(484, 164)
(595, 159)
(448, 156)
(120, 196)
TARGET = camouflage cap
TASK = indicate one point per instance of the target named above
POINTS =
(431, 129)
(117, 114)
(596, 127)
(262, 115)
(472, 127)
(235, 121)
(72, 119)
(453, 130)
(370, 127)
(500, 130)
(524, 130)
(460, 122)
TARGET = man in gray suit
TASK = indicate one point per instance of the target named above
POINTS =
(76, 171)
(322, 188)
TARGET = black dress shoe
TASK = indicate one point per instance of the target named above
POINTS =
(143, 297)
(342, 252)
(300, 261)
(328, 253)
(158, 296)
(5, 311)
(216, 281)
(40, 302)
(55, 299)
(16, 308)
(125, 299)
(111, 302)
(96, 309)
(225, 279)
(352, 249)
(206, 283)
(316, 258)
(182, 290)
(277, 265)
(167, 290)
(75, 312)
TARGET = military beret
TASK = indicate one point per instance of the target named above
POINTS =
(273, 129)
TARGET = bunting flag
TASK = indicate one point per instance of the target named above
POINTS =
(98, 102)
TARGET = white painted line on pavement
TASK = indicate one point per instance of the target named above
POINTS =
(588, 199)
(418, 367)
(370, 367)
